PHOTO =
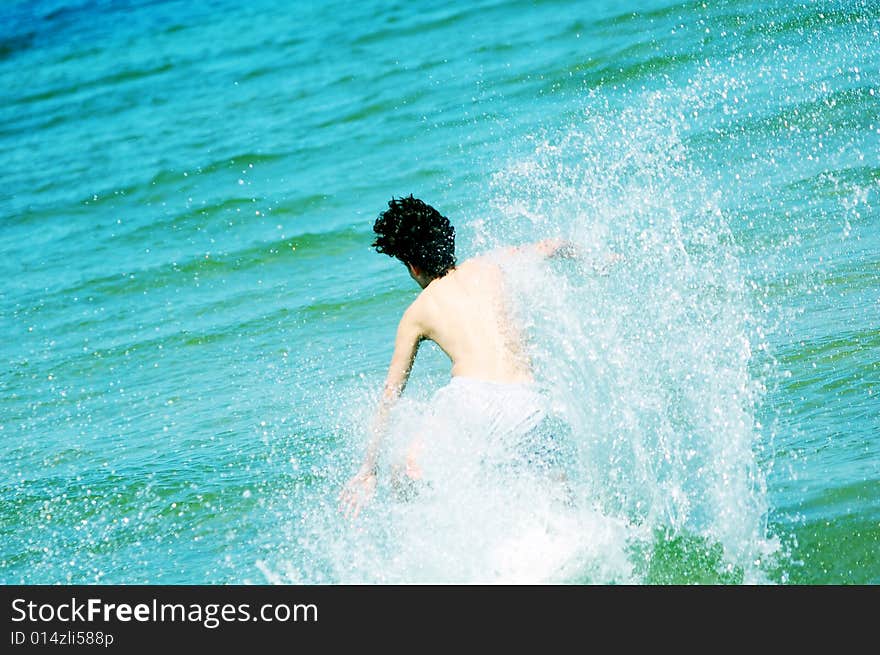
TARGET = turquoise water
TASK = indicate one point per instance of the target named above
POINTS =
(195, 327)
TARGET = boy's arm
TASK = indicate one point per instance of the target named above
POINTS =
(406, 345)
(556, 247)
(553, 247)
(361, 487)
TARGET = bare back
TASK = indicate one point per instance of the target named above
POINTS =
(466, 314)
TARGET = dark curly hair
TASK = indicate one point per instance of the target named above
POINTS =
(416, 234)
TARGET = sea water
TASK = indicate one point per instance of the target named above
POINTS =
(195, 329)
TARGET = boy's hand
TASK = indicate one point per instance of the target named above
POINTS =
(357, 494)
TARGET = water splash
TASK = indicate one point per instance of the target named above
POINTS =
(646, 362)
(649, 360)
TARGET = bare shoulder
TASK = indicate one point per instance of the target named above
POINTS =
(414, 318)
(483, 272)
